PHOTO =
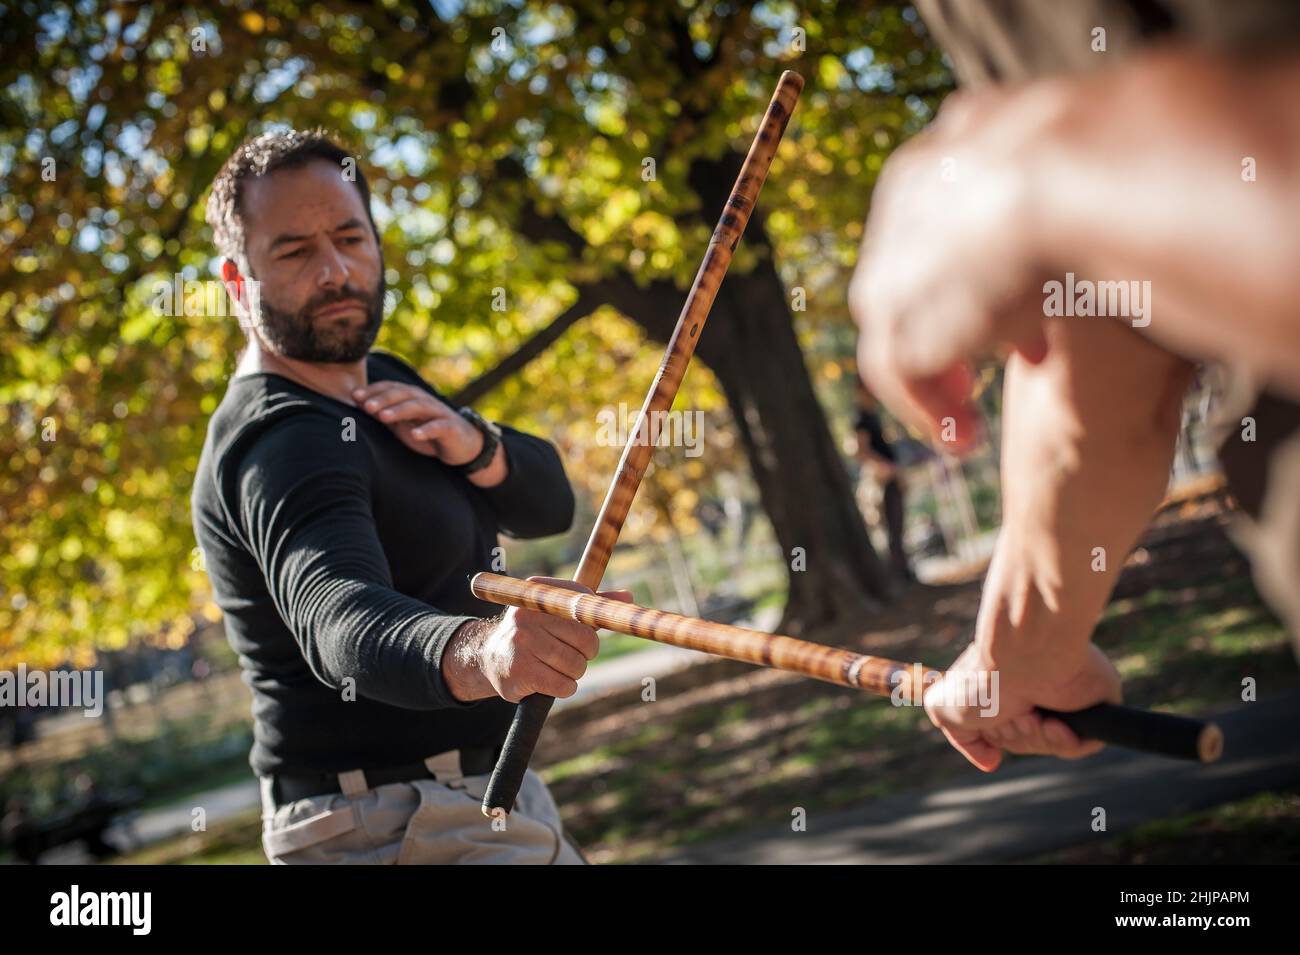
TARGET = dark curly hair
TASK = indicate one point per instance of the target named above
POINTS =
(260, 156)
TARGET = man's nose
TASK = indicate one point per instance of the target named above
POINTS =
(334, 271)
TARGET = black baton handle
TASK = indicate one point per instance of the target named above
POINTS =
(508, 776)
(1183, 737)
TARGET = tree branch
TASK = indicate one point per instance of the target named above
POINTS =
(530, 222)
(590, 297)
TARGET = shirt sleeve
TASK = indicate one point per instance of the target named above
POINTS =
(535, 499)
(304, 508)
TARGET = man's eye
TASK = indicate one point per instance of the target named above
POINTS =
(292, 255)
(352, 239)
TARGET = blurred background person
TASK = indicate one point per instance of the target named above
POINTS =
(881, 481)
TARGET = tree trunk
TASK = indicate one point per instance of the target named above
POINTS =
(750, 345)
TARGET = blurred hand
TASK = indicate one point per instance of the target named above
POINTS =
(1021, 686)
(950, 261)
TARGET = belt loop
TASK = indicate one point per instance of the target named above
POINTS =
(445, 766)
(353, 782)
(266, 790)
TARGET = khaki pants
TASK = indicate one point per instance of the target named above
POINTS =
(421, 822)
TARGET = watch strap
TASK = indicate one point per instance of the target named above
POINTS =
(491, 438)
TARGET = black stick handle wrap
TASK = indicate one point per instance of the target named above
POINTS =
(508, 776)
(1165, 734)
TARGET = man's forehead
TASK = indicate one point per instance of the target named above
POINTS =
(313, 195)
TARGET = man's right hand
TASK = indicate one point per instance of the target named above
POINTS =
(522, 652)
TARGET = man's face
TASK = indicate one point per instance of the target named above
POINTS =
(309, 244)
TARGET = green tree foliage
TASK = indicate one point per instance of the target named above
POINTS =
(508, 149)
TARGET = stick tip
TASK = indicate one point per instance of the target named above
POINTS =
(791, 78)
(1209, 746)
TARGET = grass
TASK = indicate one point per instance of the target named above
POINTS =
(1258, 830)
(234, 841)
(1191, 650)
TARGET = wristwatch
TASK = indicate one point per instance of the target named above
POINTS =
(491, 438)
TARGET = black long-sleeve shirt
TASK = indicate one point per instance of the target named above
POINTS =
(340, 559)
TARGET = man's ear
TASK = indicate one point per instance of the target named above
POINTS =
(241, 292)
(232, 280)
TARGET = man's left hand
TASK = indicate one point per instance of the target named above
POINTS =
(422, 422)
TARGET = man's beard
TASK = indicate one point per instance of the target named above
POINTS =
(297, 335)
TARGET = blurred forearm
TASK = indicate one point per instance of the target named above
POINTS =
(1183, 169)
(1088, 437)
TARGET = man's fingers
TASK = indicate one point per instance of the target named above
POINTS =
(550, 682)
(376, 389)
(439, 410)
(938, 405)
(579, 636)
(541, 679)
(1034, 735)
(980, 753)
(408, 409)
(973, 742)
(377, 402)
(944, 402)
(1065, 743)
(1022, 735)
(560, 657)
(1032, 347)
(432, 430)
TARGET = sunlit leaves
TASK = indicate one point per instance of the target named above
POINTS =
(136, 106)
